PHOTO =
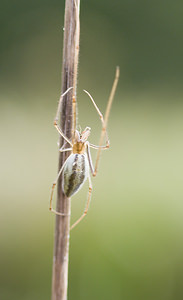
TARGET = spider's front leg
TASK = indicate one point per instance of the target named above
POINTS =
(57, 117)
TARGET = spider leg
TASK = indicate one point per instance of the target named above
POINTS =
(52, 191)
(101, 118)
(74, 117)
(103, 132)
(104, 147)
(77, 30)
(89, 158)
(63, 149)
(57, 117)
(87, 204)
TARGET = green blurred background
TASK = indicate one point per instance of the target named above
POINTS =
(130, 246)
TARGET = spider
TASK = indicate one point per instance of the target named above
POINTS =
(77, 167)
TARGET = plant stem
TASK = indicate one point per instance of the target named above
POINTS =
(69, 79)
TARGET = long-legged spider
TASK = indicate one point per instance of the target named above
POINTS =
(75, 169)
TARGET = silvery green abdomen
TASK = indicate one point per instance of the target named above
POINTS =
(75, 173)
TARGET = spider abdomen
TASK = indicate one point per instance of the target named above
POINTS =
(75, 173)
